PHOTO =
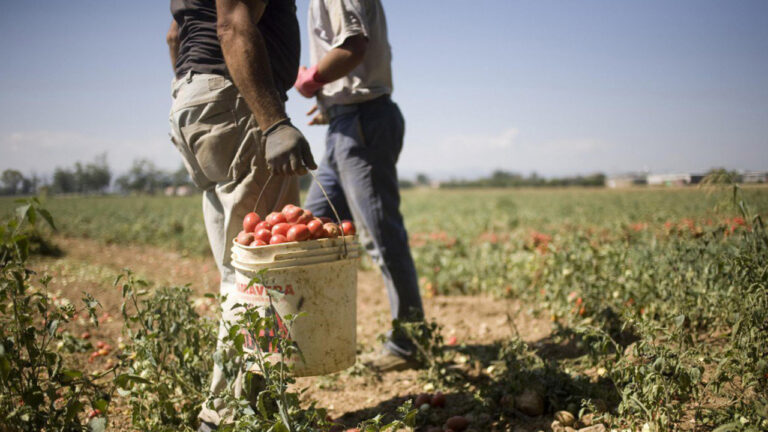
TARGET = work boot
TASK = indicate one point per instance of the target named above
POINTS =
(384, 361)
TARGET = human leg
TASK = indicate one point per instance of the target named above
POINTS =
(220, 145)
(329, 180)
(367, 145)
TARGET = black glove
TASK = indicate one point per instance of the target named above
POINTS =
(286, 150)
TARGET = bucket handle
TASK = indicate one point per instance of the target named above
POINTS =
(325, 194)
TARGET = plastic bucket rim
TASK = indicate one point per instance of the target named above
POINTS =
(241, 266)
(274, 246)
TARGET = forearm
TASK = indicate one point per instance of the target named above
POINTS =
(337, 63)
(172, 38)
(246, 58)
(340, 61)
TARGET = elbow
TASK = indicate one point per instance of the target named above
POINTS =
(224, 30)
(172, 38)
(356, 46)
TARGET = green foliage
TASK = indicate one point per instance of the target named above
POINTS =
(40, 388)
(167, 360)
(660, 296)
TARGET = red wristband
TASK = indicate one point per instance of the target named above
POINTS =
(309, 81)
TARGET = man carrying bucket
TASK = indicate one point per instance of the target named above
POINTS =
(352, 80)
(234, 60)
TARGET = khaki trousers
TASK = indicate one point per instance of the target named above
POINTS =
(220, 144)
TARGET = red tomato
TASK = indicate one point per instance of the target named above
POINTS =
(348, 227)
(315, 227)
(331, 230)
(422, 399)
(250, 221)
(275, 218)
(94, 413)
(288, 206)
(263, 225)
(292, 213)
(85, 335)
(281, 228)
(325, 220)
(258, 242)
(298, 232)
(263, 235)
(305, 217)
(457, 423)
(438, 400)
(277, 239)
(245, 238)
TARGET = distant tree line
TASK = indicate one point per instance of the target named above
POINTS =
(95, 178)
(14, 183)
(500, 178)
(145, 177)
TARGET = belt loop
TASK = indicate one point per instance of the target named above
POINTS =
(189, 77)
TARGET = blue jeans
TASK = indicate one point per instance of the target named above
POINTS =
(358, 173)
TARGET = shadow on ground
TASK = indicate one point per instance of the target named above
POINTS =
(482, 382)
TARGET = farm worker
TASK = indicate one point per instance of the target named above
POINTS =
(351, 78)
(234, 60)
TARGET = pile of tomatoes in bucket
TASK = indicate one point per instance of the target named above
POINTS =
(292, 224)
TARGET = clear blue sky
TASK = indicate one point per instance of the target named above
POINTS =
(556, 87)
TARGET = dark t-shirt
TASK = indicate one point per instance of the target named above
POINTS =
(199, 48)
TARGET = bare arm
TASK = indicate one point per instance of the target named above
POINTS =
(340, 61)
(246, 58)
(172, 38)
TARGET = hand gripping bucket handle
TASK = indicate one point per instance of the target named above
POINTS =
(325, 194)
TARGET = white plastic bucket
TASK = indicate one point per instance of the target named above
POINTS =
(316, 277)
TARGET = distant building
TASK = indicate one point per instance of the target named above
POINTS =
(182, 190)
(755, 177)
(679, 179)
(185, 190)
(625, 180)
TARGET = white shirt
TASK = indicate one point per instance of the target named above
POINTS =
(330, 23)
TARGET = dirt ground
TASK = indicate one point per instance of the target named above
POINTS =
(350, 396)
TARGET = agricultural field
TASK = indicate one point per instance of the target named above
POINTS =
(548, 309)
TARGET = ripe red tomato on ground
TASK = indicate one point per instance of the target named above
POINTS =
(245, 238)
(457, 423)
(250, 221)
(277, 239)
(298, 232)
(422, 399)
(438, 400)
(281, 228)
(275, 218)
(348, 227)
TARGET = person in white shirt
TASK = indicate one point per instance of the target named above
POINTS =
(351, 78)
